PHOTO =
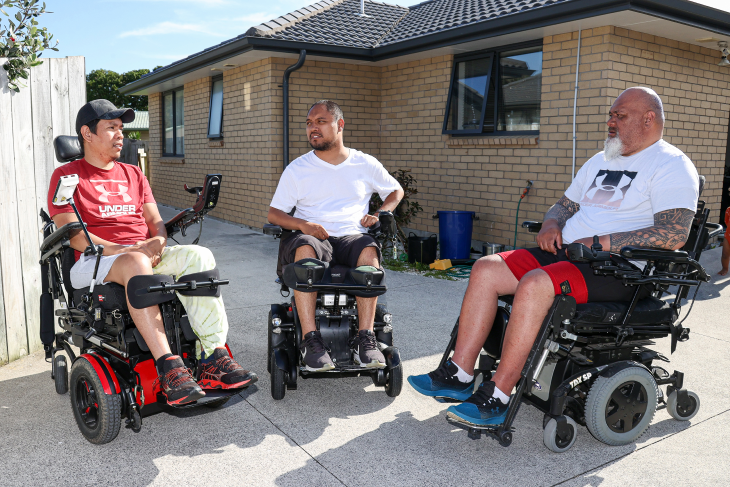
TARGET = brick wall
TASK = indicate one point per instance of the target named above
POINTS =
(396, 114)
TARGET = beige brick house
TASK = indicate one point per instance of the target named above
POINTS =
(475, 97)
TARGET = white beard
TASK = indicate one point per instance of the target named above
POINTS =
(612, 148)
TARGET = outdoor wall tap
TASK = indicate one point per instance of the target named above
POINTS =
(285, 87)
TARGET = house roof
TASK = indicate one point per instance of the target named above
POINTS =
(141, 121)
(334, 28)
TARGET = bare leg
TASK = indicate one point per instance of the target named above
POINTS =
(366, 306)
(535, 294)
(147, 320)
(490, 278)
(306, 302)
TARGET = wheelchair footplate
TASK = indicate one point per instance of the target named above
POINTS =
(212, 396)
(475, 431)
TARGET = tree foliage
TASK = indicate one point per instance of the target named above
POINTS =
(103, 83)
(22, 42)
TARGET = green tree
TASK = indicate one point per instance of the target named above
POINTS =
(103, 83)
(21, 40)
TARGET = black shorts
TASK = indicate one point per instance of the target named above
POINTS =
(336, 250)
(573, 278)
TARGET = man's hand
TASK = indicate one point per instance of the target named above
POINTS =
(314, 229)
(152, 248)
(550, 238)
(369, 220)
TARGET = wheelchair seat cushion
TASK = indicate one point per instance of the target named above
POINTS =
(648, 311)
(107, 297)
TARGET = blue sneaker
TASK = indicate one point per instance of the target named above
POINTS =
(481, 409)
(442, 382)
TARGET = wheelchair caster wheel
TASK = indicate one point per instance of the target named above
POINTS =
(60, 374)
(559, 438)
(278, 380)
(474, 434)
(683, 410)
(134, 422)
(505, 438)
(395, 381)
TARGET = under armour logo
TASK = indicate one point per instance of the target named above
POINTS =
(105, 193)
(609, 188)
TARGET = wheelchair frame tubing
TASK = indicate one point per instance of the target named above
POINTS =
(563, 307)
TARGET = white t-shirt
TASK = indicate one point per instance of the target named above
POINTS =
(624, 193)
(336, 197)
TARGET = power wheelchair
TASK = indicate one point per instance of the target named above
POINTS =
(590, 363)
(114, 376)
(336, 318)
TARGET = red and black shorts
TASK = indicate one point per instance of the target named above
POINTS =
(574, 279)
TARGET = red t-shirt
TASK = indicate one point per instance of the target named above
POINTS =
(109, 202)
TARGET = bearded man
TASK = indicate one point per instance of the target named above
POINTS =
(640, 191)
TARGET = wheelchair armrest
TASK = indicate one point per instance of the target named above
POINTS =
(271, 229)
(59, 235)
(176, 220)
(639, 253)
(532, 226)
(715, 229)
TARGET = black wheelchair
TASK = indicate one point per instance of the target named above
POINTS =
(336, 318)
(114, 376)
(590, 363)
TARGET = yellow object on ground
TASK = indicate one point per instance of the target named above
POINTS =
(441, 265)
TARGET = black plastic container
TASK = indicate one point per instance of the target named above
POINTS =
(422, 249)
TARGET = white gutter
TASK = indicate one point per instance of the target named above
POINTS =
(575, 103)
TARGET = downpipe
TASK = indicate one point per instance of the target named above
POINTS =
(285, 87)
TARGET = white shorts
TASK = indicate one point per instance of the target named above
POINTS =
(83, 270)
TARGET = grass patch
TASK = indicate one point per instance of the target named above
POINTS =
(417, 268)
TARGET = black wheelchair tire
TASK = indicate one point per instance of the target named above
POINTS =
(60, 375)
(103, 426)
(269, 329)
(395, 381)
(278, 379)
(601, 400)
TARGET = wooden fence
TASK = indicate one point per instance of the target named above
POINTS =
(29, 121)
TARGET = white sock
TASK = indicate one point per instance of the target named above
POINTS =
(461, 375)
(501, 395)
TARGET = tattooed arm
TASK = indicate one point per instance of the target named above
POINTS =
(550, 238)
(670, 231)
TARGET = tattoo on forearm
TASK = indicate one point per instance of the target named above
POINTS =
(562, 211)
(670, 231)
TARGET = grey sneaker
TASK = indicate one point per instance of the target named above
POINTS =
(315, 355)
(365, 349)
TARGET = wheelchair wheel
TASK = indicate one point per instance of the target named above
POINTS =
(620, 408)
(683, 412)
(60, 374)
(269, 327)
(395, 381)
(278, 379)
(555, 442)
(98, 415)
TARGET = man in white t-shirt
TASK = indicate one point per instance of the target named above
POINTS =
(331, 188)
(639, 191)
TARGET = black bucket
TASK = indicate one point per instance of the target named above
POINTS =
(421, 249)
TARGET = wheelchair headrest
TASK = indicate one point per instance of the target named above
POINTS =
(702, 186)
(67, 148)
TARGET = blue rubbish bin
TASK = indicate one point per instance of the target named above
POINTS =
(455, 229)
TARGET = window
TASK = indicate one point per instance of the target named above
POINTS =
(215, 119)
(495, 92)
(173, 123)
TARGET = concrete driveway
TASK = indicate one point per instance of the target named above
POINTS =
(347, 432)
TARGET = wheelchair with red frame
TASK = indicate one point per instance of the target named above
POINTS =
(590, 363)
(114, 377)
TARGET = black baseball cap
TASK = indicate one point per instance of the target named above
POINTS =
(101, 110)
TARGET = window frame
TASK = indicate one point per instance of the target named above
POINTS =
(175, 92)
(494, 74)
(213, 81)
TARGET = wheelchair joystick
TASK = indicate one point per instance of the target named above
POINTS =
(596, 247)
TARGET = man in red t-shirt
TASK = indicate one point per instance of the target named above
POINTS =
(116, 203)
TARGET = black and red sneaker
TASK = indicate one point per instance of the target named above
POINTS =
(177, 383)
(220, 371)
